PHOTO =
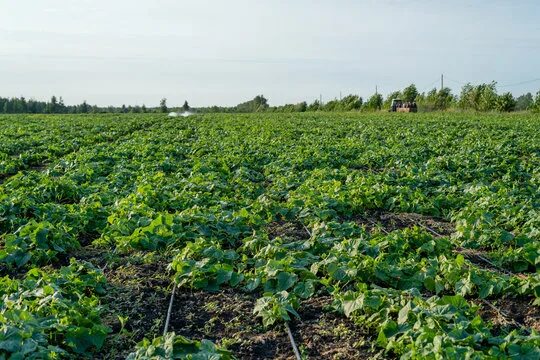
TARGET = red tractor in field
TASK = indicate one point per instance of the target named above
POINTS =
(403, 106)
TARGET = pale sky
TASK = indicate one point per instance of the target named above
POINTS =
(225, 52)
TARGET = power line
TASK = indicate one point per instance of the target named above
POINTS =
(520, 83)
(430, 86)
(456, 81)
(499, 86)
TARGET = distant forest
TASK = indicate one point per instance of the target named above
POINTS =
(482, 97)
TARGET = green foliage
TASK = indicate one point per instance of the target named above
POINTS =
(276, 307)
(410, 93)
(163, 105)
(52, 314)
(481, 97)
(535, 106)
(258, 104)
(375, 102)
(314, 106)
(289, 108)
(37, 243)
(204, 265)
(505, 102)
(185, 107)
(436, 100)
(277, 205)
(348, 103)
(524, 102)
(351, 102)
(172, 346)
(418, 328)
(390, 97)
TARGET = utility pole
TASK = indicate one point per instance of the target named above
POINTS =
(320, 99)
(442, 82)
(376, 94)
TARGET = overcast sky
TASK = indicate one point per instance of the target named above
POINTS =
(225, 52)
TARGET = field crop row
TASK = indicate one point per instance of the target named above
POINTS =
(395, 235)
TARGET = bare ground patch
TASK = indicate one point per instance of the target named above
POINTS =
(388, 222)
(227, 318)
(511, 312)
(287, 230)
(328, 335)
(136, 290)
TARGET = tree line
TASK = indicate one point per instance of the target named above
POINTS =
(20, 105)
(481, 97)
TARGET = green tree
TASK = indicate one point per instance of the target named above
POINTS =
(185, 107)
(481, 97)
(314, 106)
(143, 108)
(445, 99)
(535, 107)
(350, 102)
(436, 100)
(163, 105)
(52, 105)
(259, 103)
(375, 102)
(390, 97)
(84, 108)
(409, 93)
(61, 106)
(524, 102)
(488, 96)
(301, 107)
(505, 102)
(332, 105)
(32, 106)
(23, 105)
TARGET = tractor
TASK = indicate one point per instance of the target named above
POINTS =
(399, 105)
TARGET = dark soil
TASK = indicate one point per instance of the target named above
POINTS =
(328, 335)
(227, 318)
(388, 222)
(3, 177)
(38, 167)
(512, 312)
(287, 231)
(139, 290)
(99, 257)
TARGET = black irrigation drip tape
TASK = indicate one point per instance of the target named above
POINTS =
(291, 338)
(169, 310)
(308, 232)
(505, 316)
(430, 230)
(484, 260)
(168, 319)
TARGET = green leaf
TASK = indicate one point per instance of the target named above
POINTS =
(305, 289)
(285, 280)
(404, 313)
(350, 306)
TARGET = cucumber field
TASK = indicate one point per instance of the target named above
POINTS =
(368, 235)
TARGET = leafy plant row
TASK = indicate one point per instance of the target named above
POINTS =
(208, 190)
